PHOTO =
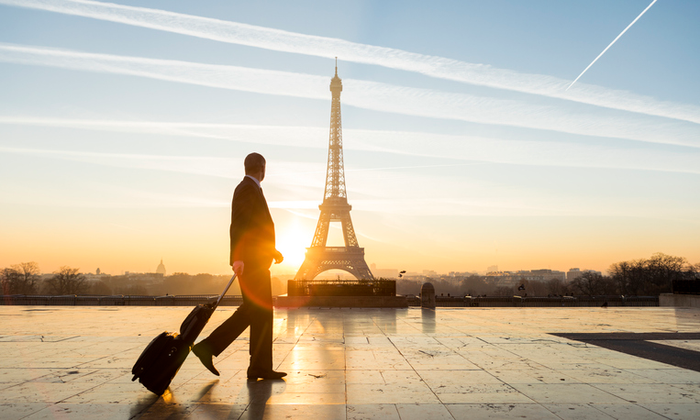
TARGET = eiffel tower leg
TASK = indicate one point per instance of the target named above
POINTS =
(321, 234)
(348, 231)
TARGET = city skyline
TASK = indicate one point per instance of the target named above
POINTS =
(123, 130)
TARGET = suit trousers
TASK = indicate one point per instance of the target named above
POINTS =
(256, 312)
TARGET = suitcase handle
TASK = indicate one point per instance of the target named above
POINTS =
(221, 296)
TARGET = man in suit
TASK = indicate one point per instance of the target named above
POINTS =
(252, 235)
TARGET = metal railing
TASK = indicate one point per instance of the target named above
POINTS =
(341, 288)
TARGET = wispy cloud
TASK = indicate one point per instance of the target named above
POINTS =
(438, 67)
(209, 166)
(476, 198)
(453, 147)
(369, 95)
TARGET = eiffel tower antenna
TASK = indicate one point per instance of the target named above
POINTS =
(335, 208)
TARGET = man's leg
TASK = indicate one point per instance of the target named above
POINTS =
(261, 316)
(230, 329)
(261, 340)
(223, 336)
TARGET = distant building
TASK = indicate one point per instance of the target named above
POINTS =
(386, 273)
(510, 278)
(575, 273)
(161, 268)
(492, 269)
(460, 274)
(546, 275)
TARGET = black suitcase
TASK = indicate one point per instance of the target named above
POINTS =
(162, 358)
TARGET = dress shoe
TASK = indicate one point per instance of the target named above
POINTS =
(254, 374)
(202, 351)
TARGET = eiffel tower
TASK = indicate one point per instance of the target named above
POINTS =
(335, 208)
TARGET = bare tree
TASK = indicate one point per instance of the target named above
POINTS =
(475, 285)
(67, 281)
(20, 279)
(651, 276)
(100, 288)
(504, 291)
(591, 283)
(556, 287)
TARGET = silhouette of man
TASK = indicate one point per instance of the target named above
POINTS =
(252, 252)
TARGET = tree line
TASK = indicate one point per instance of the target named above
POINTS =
(642, 277)
(25, 279)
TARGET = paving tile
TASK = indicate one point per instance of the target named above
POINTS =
(295, 411)
(528, 375)
(675, 411)
(372, 412)
(484, 393)
(85, 411)
(628, 411)
(405, 393)
(577, 411)
(16, 411)
(499, 411)
(670, 375)
(650, 394)
(218, 412)
(423, 412)
(567, 393)
(314, 359)
(595, 374)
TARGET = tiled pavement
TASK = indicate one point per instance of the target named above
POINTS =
(462, 363)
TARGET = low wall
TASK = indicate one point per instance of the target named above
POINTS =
(679, 300)
(119, 300)
(357, 301)
(538, 301)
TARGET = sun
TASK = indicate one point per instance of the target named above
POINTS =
(292, 243)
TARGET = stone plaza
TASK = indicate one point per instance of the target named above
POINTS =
(62, 362)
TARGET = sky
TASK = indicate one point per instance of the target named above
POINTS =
(123, 128)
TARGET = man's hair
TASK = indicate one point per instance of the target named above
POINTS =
(253, 163)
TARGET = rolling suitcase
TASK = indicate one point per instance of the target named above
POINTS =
(162, 358)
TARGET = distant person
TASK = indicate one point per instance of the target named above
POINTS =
(253, 249)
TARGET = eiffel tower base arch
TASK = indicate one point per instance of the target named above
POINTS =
(320, 259)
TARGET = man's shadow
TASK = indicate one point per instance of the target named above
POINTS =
(167, 405)
(258, 394)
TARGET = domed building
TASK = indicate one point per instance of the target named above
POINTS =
(161, 268)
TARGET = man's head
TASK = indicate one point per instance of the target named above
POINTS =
(255, 165)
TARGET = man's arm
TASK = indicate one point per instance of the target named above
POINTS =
(242, 210)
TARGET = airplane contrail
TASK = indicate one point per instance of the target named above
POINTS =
(374, 96)
(432, 66)
(614, 40)
(368, 95)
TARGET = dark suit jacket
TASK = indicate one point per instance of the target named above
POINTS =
(252, 230)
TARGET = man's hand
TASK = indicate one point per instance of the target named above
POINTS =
(238, 268)
(278, 257)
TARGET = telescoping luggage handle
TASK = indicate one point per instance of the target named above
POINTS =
(221, 296)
